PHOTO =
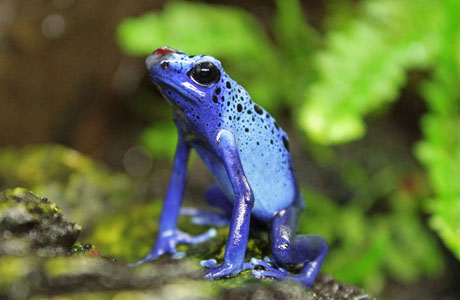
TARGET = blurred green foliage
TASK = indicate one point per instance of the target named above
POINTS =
(363, 68)
(129, 233)
(340, 79)
(82, 188)
(364, 65)
(440, 151)
(160, 139)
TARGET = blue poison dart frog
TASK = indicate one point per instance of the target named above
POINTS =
(248, 156)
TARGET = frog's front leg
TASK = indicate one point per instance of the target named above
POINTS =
(168, 234)
(244, 201)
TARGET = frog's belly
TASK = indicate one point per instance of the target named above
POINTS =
(273, 186)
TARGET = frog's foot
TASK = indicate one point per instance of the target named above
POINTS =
(167, 241)
(205, 218)
(275, 271)
(218, 271)
(269, 271)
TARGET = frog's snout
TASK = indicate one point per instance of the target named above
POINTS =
(159, 55)
(163, 50)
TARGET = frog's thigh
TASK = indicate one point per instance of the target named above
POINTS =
(288, 248)
(215, 197)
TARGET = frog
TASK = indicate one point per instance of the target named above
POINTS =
(248, 156)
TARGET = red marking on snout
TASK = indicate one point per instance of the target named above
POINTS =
(163, 51)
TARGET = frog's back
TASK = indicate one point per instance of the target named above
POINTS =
(263, 148)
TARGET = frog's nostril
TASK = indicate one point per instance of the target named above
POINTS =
(163, 51)
(160, 55)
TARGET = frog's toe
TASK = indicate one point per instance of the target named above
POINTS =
(223, 270)
(209, 263)
(260, 263)
(267, 263)
(247, 266)
(277, 272)
(270, 260)
(274, 273)
(149, 257)
(205, 218)
(190, 211)
(189, 239)
(137, 263)
(178, 255)
(215, 220)
(212, 263)
(269, 270)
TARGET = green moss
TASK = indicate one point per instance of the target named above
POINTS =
(26, 219)
(16, 193)
(128, 234)
(89, 296)
(74, 266)
(14, 269)
(50, 209)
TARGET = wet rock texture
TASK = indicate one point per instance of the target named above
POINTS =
(325, 288)
(87, 277)
(328, 288)
(39, 259)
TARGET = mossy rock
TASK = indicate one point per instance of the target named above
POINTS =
(83, 277)
(39, 258)
(49, 265)
(29, 223)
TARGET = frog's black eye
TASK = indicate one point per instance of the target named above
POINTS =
(204, 73)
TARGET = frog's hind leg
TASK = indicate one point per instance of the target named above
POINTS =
(291, 249)
(216, 198)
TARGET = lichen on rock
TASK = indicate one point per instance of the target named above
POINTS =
(29, 224)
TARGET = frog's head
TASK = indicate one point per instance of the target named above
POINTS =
(185, 81)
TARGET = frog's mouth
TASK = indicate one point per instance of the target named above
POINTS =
(195, 96)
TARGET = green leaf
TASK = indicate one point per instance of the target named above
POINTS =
(364, 64)
(440, 150)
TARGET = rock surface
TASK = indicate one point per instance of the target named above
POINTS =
(89, 277)
(33, 225)
(40, 260)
